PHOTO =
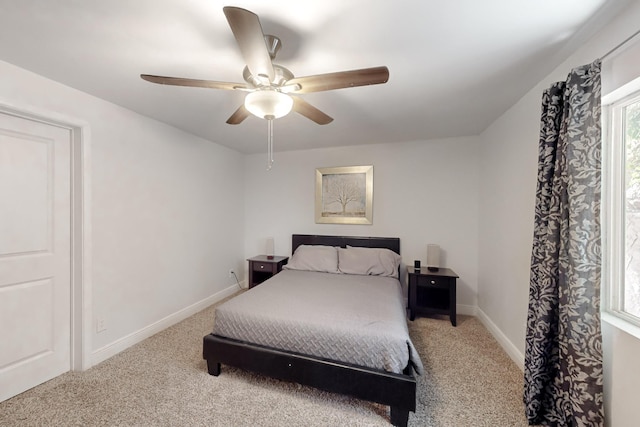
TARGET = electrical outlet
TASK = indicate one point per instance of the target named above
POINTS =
(100, 325)
(231, 272)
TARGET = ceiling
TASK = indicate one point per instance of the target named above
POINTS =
(455, 66)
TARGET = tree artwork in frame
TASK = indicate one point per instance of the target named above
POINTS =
(344, 195)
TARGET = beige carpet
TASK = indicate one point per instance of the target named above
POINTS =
(163, 381)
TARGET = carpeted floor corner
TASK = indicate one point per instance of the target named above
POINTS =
(163, 381)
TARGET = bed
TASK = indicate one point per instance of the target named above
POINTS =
(301, 325)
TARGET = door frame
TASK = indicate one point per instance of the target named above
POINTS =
(81, 296)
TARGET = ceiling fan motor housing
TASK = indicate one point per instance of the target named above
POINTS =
(282, 75)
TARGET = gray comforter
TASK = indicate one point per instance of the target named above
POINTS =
(347, 318)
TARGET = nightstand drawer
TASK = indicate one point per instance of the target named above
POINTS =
(262, 266)
(435, 281)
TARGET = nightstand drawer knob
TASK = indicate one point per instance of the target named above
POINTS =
(433, 282)
(262, 266)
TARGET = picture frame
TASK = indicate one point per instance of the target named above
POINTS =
(344, 195)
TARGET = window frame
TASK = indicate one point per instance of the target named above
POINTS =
(613, 209)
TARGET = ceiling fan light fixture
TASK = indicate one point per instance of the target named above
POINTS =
(268, 103)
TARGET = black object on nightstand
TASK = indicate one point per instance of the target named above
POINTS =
(262, 267)
(432, 292)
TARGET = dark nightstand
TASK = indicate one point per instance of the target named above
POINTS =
(432, 292)
(261, 268)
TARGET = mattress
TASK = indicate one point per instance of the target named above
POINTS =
(346, 318)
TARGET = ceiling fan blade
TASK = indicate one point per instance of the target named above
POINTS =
(302, 107)
(238, 116)
(341, 79)
(247, 30)
(178, 81)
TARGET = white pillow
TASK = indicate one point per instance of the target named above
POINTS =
(368, 261)
(314, 258)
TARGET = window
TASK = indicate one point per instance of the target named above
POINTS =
(621, 207)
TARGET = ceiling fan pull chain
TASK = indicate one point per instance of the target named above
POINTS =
(270, 143)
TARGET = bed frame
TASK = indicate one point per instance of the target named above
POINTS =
(396, 390)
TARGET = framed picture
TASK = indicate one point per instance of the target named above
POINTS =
(344, 195)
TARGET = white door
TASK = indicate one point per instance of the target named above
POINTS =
(35, 248)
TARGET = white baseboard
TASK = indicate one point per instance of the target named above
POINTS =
(127, 341)
(502, 339)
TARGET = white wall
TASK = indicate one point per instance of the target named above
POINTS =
(424, 192)
(166, 209)
(508, 182)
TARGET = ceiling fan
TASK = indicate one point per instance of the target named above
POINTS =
(270, 85)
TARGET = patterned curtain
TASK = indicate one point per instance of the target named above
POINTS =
(563, 359)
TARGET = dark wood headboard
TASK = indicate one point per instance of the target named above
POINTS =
(392, 243)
